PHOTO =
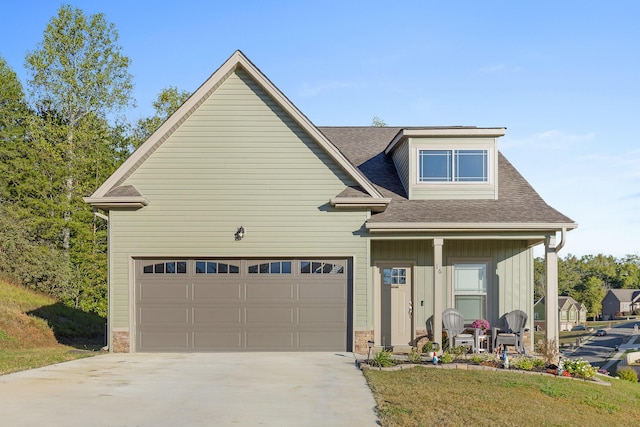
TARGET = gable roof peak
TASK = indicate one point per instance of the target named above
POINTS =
(236, 60)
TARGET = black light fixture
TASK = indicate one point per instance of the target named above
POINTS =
(240, 233)
(370, 345)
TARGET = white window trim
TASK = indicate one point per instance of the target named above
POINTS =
(451, 293)
(492, 162)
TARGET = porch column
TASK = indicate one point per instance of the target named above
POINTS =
(551, 301)
(437, 291)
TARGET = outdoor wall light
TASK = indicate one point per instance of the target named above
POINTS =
(240, 233)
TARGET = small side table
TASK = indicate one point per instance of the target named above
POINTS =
(482, 343)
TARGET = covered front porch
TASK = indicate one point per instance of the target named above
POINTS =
(416, 279)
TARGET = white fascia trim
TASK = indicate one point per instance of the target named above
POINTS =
(377, 205)
(445, 133)
(471, 226)
(116, 202)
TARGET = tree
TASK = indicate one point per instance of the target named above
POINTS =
(78, 70)
(167, 102)
(13, 127)
(378, 122)
(590, 293)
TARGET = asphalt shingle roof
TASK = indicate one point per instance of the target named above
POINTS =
(517, 201)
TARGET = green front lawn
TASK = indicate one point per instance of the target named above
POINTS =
(427, 396)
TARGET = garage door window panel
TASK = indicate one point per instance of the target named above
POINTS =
(215, 267)
(169, 267)
(320, 267)
(270, 267)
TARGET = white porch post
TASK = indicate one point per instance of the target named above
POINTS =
(551, 307)
(437, 291)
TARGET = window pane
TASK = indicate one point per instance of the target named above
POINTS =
(471, 165)
(182, 267)
(316, 267)
(305, 267)
(148, 269)
(275, 268)
(435, 165)
(234, 269)
(470, 278)
(286, 267)
(222, 268)
(472, 307)
(171, 267)
(264, 268)
(159, 268)
(200, 267)
(253, 269)
(212, 268)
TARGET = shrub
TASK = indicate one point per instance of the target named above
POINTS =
(580, 368)
(627, 374)
(383, 359)
(430, 347)
(447, 357)
(548, 350)
(538, 363)
(523, 363)
(414, 356)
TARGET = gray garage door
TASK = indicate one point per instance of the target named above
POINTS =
(242, 305)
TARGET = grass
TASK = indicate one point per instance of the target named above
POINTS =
(36, 330)
(425, 397)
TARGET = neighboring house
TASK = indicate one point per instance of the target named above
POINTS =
(620, 302)
(239, 225)
(570, 313)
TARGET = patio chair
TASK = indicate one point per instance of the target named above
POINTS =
(512, 331)
(453, 322)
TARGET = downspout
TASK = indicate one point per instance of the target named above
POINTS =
(563, 241)
(106, 325)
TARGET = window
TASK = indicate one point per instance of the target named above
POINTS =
(394, 276)
(274, 267)
(453, 166)
(319, 267)
(214, 267)
(169, 267)
(470, 290)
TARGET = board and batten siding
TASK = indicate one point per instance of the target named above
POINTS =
(510, 273)
(238, 160)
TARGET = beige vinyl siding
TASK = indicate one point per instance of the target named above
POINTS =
(511, 287)
(238, 160)
(452, 190)
(401, 161)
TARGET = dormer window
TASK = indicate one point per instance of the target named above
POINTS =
(453, 166)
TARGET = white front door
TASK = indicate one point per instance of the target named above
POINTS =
(396, 309)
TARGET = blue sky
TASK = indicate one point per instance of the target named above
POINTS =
(562, 76)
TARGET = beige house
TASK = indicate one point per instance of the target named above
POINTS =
(570, 313)
(239, 225)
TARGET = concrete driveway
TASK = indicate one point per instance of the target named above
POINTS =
(201, 389)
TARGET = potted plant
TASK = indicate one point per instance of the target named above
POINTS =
(481, 324)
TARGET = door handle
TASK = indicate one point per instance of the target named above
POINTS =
(410, 309)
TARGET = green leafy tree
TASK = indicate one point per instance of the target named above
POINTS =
(378, 122)
(78, 71)
(167, 102)
(590, 293)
